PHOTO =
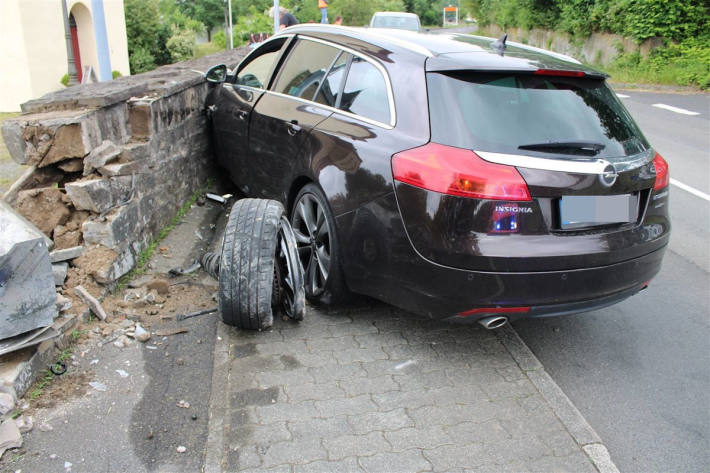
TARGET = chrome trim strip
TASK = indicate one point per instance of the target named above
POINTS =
(595, 166)
(328, 107)
(383, 71)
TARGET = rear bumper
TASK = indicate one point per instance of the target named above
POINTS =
(382, 263)
(442, 292)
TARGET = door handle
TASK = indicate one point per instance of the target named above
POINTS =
(293, 127)
(242, 114)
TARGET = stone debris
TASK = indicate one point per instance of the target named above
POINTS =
(7, 403)
(127, 323)
(122, 342)
(66, 254)
(24, 423)
(98, 386)
(141, 334)
(122, 373)
(67, 465)
(45, 427)
(63, 303)
(10, 436)
(161, 286)
(59, 271)
(183, 404)
(53, 456)
(104, 153)
(181, 449)
(91, 301)
(44, 207)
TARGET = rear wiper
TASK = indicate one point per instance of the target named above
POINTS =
(584, 148)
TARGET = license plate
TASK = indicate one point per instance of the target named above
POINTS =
(593, 210)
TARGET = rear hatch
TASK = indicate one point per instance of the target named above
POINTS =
(530, 171)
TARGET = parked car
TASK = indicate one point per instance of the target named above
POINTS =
(397, 20)
(450, 175)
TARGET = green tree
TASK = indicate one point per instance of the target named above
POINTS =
(208, 12)
(142, 29)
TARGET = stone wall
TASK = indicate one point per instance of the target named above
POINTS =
(598, 48)
(111, 163)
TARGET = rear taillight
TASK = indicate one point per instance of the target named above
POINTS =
(457, 171)
(662, 175)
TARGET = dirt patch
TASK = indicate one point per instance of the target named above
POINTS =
(70, 385)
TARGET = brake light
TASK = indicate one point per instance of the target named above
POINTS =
(662, 175)
(457, 171)
(495, 310)
(560, 73)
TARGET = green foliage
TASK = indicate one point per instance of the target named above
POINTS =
(115, 74)
(253, 21)
(65, 80)
(146, 35)
(687, 63)
(181, 45)
(208, 12)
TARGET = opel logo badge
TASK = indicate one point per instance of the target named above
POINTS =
(608, 176)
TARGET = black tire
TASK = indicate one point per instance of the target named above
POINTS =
(329, 286)
(247, 266)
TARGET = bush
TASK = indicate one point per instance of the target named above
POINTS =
(181, 45)
(141, 60)
(65, 80)
(116, 74)
(205, 49)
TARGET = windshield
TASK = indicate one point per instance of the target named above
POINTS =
(530, 115)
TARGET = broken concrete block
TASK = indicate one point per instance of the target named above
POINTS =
(120, 265)
(141, 334)
(43, 207)
(91, 301)
(63, 303)
(10, 436)
(67, 254)
(7, 403)
(27, 292)
(99, 156)
(123, 169)
(120, 226)
(59, 270)
(99, 195)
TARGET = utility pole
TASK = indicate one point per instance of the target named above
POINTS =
(231, 32)
(71, 63)
(277, 16)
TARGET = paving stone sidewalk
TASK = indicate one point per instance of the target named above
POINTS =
(377, 389)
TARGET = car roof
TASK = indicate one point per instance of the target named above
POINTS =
(445, 51)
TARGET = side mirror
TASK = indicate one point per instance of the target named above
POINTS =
(217, 74)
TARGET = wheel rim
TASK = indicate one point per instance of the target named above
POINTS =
(288, 273)
(312, 232)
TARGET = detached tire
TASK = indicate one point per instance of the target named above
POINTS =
(252, 267)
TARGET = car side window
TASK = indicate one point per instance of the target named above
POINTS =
(304, 69)
(328, 93)
(365, 92)
(256, 72)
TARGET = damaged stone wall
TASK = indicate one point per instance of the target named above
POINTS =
(111, 163)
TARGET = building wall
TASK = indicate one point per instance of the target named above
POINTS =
(33, 56)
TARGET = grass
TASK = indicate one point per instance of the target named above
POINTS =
(205, 49)
(38, 388)
(145, 255)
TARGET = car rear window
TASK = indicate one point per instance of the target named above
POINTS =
(501, 112)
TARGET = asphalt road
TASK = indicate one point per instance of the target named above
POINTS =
(640, 371)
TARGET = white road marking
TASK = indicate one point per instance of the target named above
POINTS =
(622, 96)
(675, 109)
(692, 190)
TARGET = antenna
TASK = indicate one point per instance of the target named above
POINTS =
(499, 44)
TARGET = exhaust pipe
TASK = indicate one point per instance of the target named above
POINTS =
(493, 322)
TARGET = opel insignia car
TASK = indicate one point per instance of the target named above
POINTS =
(449, 175)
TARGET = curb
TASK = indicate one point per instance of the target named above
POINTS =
(573, 420)
(216, 445)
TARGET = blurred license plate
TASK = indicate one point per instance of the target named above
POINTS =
(591, 210)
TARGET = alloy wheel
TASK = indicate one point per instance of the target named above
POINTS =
(312, 232)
